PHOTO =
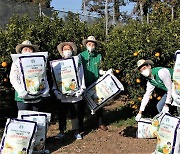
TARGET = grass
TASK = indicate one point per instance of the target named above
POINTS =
(127, 122)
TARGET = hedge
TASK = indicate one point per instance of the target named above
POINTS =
(122, 48)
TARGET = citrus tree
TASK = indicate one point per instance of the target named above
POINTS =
(127, 44)
(121, 49)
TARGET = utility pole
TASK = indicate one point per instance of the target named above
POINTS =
(141, 11)
(114, 21)
(40, 11)
(172, 12)
(106, 16)
(84, 9)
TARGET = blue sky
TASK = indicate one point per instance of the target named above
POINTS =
(75, 6)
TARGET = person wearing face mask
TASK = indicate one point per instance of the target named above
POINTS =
(24, 101)
(158, 77)
(176, 83)
(91, 60)
(70, 102)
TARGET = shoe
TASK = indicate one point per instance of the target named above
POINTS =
(78, 136)
(103, 127)
(59, 136)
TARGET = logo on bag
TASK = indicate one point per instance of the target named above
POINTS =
(167, 119)
(33, 61)
(21, 127)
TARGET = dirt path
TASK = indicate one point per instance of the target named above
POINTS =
(114, 141)
(117, 140)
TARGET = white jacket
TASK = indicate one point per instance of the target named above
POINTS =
(16, 79)
(72, 99)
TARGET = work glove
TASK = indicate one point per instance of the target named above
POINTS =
(138, 117)
(165, 109)
(101, 72)
(177, 100)
(58, 94)
(110, 71)
(79, 93)
(23, 94)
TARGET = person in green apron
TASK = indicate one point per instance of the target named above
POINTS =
(159, 77)
(91, 60)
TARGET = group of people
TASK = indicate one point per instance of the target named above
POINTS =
(88, 68)
(161, 78)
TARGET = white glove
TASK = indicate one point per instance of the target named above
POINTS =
(177, 100)
(23, 94)
(138, 117)
(165, 109)
(79, 92)
(101, 72)
(110, 71)
(58, 94)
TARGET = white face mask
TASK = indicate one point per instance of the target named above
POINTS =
(90, 49)
(146, 72)
(67, 53)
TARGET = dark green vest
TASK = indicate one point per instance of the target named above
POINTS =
(157, 82)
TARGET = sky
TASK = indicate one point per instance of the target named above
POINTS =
(75, 6)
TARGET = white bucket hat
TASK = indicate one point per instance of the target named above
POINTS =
(26, 43)
(61, 45)
(90, 39)
(143, 62)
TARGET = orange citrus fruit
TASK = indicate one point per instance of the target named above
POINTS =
(5, 79)
(117, 71)
(135, 53)
(139, 98)
(4, 64)
(157, 54)
(135, 106)
(132, 102)
(159, 98)
(138, 80)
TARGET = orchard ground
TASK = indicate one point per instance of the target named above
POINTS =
(120, 138)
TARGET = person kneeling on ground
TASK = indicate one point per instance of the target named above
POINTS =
(159, 77)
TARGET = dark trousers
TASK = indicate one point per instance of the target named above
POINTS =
(81, 113)
(29, 106)
(63, 110)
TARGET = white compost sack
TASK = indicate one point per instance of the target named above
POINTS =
(18, 137)
(66, 75)
(42, 119)
(101, 91)
(33, 68)
(168, 137)
(176, 79)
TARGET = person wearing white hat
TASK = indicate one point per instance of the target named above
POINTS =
(91, 60)
(16, 79)
(70, 102)
(176, 82)
(158, 77)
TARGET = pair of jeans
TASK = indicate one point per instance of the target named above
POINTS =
(161, 103)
